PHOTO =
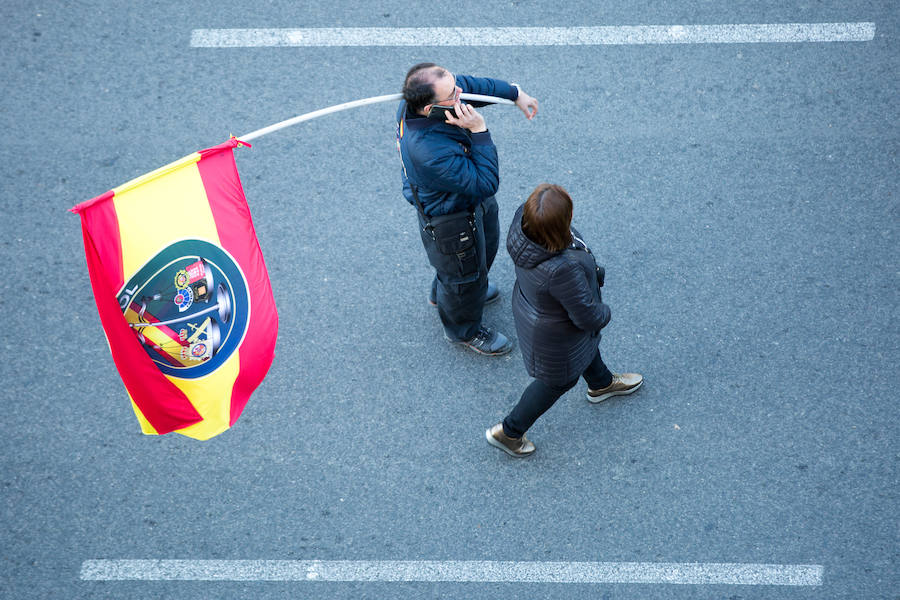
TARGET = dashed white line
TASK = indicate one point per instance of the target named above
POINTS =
(452, 571)
(535, 36)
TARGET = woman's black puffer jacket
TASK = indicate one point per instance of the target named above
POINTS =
(557, 306)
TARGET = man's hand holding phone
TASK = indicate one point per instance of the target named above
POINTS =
(465, 116)
(439, 112)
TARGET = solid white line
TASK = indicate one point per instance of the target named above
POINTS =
(534, 36)
(452, 571)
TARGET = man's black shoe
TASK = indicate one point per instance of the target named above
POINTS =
(488, 342)
(493, 294)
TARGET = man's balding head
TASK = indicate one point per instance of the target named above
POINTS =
(418, 87)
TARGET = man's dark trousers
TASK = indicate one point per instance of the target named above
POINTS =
(460, 300)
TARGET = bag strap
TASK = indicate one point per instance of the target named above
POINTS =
(415, 192)
(429, 229)
(400, 127)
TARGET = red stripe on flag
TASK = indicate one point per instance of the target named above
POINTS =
(237, 235)
(164, 406)
(102, 217)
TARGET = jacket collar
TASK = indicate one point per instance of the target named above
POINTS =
(524, 252)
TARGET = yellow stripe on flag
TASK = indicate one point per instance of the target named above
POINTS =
(155, 210)
(162, 210)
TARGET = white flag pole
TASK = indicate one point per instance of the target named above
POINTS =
(356, 103)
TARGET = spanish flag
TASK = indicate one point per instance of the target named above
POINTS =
(183, 292)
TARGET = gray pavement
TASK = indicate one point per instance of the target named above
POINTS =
(743, 198)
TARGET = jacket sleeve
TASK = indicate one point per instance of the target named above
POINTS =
(571, 288)
(475, 173)
(486, 87)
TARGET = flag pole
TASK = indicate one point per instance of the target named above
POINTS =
(354, 104)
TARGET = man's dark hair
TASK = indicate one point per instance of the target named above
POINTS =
(418, 87)
(547, 217)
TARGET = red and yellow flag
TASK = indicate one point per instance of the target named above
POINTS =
(183, 292)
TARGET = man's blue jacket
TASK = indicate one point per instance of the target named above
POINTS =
(452, 169)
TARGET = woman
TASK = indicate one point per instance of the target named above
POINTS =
(559, 313)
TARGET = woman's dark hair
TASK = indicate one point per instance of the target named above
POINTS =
(418, 87)
(547, 217)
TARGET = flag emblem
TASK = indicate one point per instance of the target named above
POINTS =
(157, 311)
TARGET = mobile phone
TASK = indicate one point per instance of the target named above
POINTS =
(439, 112)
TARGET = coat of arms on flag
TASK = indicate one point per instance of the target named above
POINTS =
(183, 292)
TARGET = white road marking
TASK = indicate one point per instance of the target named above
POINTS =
(452, 571)
(535, 36)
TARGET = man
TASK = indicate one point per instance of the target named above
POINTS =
(450, 174)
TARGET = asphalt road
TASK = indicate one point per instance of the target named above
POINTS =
(743, 198)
